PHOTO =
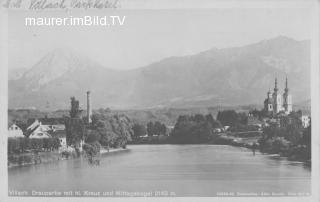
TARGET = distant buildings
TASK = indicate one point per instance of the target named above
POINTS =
(275, 102)
(278, 109)
(254, 121)
(39, 130)
(305, 121)
(14, 131)
(43, 128)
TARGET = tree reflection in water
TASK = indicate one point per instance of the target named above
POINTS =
(92, 153)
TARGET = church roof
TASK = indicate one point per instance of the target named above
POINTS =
(268, 101)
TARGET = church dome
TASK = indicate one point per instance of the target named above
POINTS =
(268, 101)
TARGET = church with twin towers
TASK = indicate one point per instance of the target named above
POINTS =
(275, 102)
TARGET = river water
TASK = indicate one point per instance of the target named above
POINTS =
(167, 170)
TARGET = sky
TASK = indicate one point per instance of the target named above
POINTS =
(148, 36)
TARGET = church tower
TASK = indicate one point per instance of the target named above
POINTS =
(89, 110)
(268, 103)
(277, 98)
(287, 100)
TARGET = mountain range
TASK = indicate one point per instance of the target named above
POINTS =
(228, 76)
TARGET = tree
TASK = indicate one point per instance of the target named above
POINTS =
(75, 131)
(228, 117)
(260, 114)
(92, 150)
(163, 129)
(92, 136)
(306, 137)
(156, 128)
(194, 129)
(306, 140)
(138, 130)
(290, 139)
(75, 126)
(74, 111)
(115, 130)
(214, 123)
(150, 128)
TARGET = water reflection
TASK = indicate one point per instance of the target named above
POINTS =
(187, 170)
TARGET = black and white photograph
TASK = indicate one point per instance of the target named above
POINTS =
(105, 99)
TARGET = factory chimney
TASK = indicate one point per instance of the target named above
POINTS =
(89, 110)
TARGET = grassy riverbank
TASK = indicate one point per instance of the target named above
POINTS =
(113, 151)
(30, 158)
(247, 140)
(236, 139)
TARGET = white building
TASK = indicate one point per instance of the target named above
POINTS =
(305, 121)
(15, 131)
(39, 132)
(35, 124)
(48, 130)
(46, 127)
(276, 102)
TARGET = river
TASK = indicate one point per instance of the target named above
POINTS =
(167, 170)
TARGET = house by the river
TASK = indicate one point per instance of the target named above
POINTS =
(15, 131)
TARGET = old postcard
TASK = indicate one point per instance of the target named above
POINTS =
(159, 100)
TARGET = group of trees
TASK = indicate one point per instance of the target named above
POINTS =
(75, 131)
(156, 128)
(290, 139)
(194, 129)
(75, 126)
(232, 118)
(21, 145)
(238, 122)
(112, 130)
(260, 114)
(138, 130)
(153, 128)
(92, 150)
(106, 129)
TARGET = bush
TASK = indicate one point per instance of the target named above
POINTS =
(92, 149)
(138, 130)
(115, 130)
(194, 129)
(21, 145)
(243, 128)
(231, 118)
(92, 136)
(291, 141)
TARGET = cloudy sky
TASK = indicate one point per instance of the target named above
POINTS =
(150, 35)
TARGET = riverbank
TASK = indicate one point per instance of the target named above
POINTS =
(229, 139)
(248, 140)
(293, 153)
(24, 159)
(113, 151)
(240, 139)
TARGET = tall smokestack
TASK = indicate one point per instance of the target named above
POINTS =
(89, 110)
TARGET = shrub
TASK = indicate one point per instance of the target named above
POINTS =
(21, 145)
(91, 149)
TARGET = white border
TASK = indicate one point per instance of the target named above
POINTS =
(181, 4)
